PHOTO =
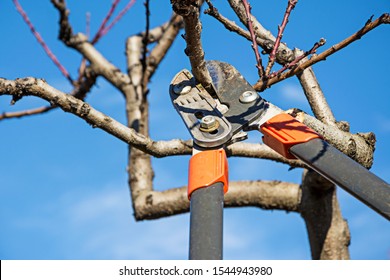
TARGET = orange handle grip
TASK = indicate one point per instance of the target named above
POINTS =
(206, 168)
(283, 131)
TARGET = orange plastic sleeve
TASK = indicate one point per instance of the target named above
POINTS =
(283, 131)
(207, 168)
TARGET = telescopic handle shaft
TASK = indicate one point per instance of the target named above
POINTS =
(346, 173)
(206, 223)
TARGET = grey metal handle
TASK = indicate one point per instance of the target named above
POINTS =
(346, 173)
(206, 223)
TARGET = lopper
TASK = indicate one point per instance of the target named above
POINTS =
(219, 119)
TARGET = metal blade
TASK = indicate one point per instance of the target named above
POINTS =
(193, 103)
(243, 102)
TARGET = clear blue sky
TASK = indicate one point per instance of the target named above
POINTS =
(63, 185)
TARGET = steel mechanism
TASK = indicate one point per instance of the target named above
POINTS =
(219, 121)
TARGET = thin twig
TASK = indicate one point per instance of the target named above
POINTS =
(254, 42)
(228, 24)
(118, 17)
(42, 42)
(88, 24)
(290, 6)
(370, 25)
(145, 41)
(25, 113)
(99, 33)
(158, 53)
(293, 63)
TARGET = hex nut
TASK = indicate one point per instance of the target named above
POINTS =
(208, 124)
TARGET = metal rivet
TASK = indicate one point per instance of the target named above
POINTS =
(248, 96)
(181, 88)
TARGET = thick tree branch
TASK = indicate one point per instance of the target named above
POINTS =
(79, 42)
(66, 30)
(328, 232)
(273, 195)
(100, 64)
(36, 87)
(84, 84)
(252, 150)
(359, 147)
(315, 96)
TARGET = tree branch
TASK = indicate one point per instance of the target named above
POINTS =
(383, 19)
(84, 84)
(255, 48)
(298, 58)
(68, 103)
(40, 40)
(283, 55)
(158, 53)
(189, 10)
(119, 16)
(99, 33)
(290, 6)
(273, 195)
(360, 147)
(328, 232)
(314, 95)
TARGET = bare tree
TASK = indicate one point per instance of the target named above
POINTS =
(315, 198)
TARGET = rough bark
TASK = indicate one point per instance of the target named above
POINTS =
(328, 232)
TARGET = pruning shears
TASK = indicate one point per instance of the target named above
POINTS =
(215, 122)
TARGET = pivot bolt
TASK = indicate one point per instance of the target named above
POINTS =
(248, 97)
(208, 124)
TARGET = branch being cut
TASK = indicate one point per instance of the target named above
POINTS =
(189, 10)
